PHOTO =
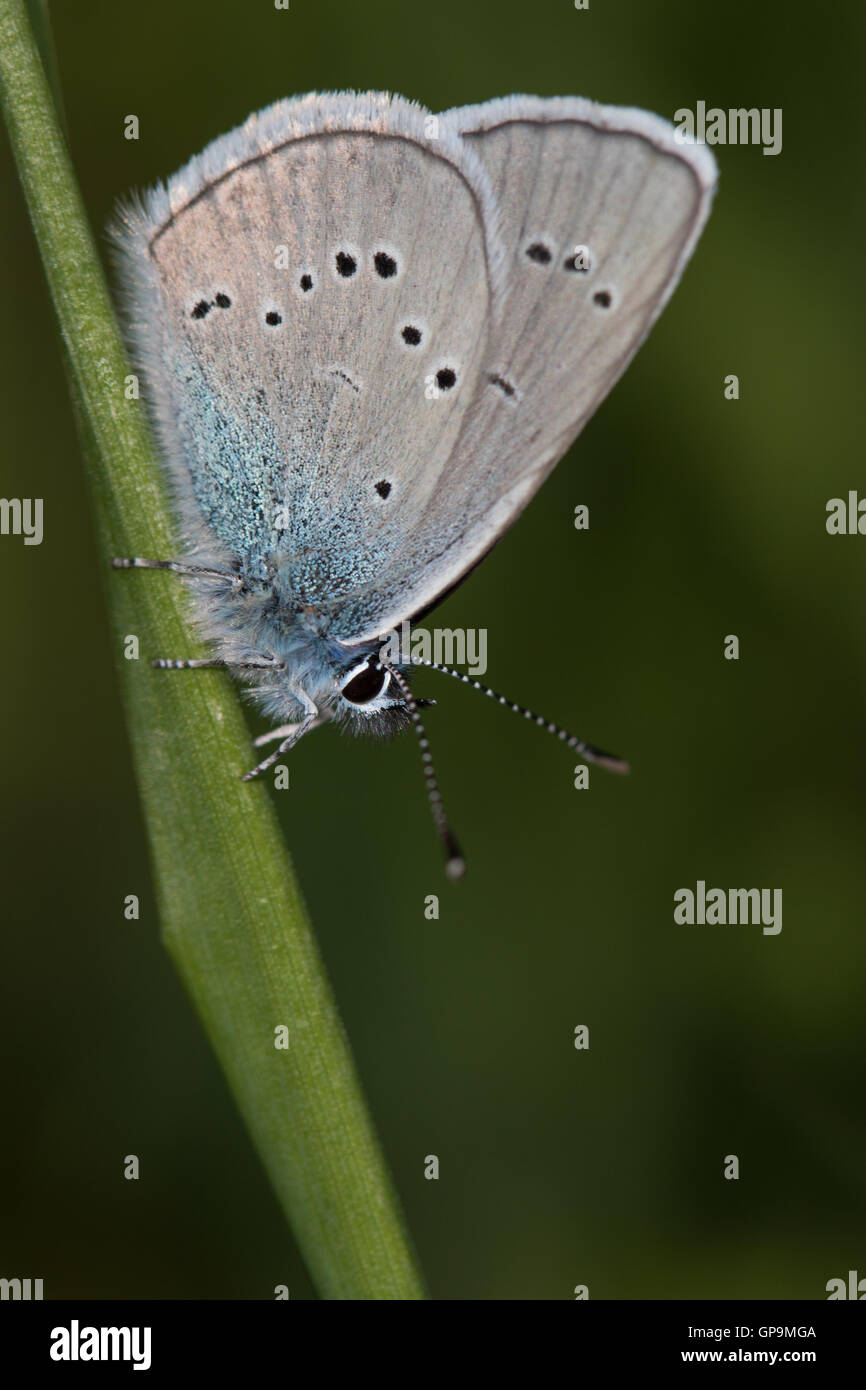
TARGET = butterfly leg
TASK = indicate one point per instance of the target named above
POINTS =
(138, 562)
(297, 732)
(293, 732)
(286, 730)
(262, 663)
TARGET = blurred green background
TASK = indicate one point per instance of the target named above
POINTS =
(558, 1167)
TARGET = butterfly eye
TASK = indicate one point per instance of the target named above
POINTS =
(364, 684)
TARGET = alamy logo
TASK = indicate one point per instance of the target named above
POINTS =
(720, 907)
(22, 516)
(737, 126)
(445, 645)
(76, 1343)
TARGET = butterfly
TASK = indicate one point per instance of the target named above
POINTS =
(368, 333)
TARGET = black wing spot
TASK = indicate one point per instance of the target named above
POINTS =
(306, 283)
(504, 386)
(538, 252)
(603, 298)
(386, 266)
(273, 318)
(200, 309)
(223, 301)
(446, 377)
(346, 264)
(383, 488)
(411, 335)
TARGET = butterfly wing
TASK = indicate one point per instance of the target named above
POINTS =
(598, 210)
(362, 338)
(293, 291)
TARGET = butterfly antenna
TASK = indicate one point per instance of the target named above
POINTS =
(585, 750)
(455, 863)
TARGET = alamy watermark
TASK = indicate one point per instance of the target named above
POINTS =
(846, 516)
(25, 1289)
(733, 907)
(854, 1287)
(22, 516)
(459, 646)
(737, 126)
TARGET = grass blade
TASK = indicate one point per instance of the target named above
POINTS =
(231, 912)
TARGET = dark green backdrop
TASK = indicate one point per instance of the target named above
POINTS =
(707, 518)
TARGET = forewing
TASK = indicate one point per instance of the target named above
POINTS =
(311, 299)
